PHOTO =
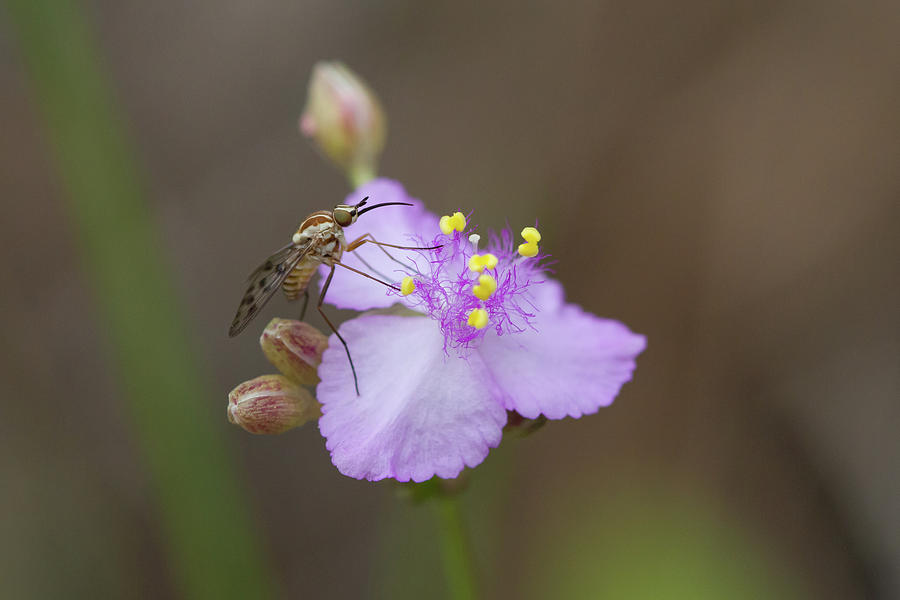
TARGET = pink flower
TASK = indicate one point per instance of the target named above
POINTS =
(492, 334)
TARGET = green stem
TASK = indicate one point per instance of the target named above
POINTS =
(454, 548)
(360, 174)
(210, 538)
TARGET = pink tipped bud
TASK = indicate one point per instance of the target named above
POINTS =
(345, 119)
(295, 349)
(271, 404)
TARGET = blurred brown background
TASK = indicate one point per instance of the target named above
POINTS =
(722, 177)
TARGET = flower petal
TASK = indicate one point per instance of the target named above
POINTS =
(572, 365)
(420, 412)
(391, 225)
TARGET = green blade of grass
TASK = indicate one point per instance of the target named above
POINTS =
(213, 549)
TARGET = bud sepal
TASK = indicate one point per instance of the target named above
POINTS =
(294, 348)
(271, 404)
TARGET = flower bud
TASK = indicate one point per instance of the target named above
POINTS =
(295, 349)
(345, 119)
(271, 404)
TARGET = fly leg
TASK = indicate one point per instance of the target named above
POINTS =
(330, 324)
(305, 303)
(364, 274)
(334, 329)
(369, 238)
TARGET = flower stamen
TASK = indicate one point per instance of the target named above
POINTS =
(448, 223)
(486, 286)
(408, 286)
(478, 318)
(480, 262)
(470, 293)
(530, 248)
(531, 234)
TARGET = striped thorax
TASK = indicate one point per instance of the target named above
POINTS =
(326, 243)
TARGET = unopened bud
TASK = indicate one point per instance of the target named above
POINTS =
(295, 349)
(345, 119)
(271, 404)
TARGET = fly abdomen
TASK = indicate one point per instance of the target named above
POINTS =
(298, 279)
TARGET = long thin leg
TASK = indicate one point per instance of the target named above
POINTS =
(305, 303)
(359, 241)
(373, 269)
(364, 274)
(334, 329)
(368, 238)
(352, 245)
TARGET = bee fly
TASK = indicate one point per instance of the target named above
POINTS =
(319, 240)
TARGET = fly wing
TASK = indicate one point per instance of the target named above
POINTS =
(264, 282)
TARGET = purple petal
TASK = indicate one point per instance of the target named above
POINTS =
(571, 366)
(391, 225)
(420, 412)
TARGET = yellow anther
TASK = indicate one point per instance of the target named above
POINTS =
(486, 286)
(528, 249)
(408, 286)
(448, 223)
(478, 318)
(531, 235)
(480, 262)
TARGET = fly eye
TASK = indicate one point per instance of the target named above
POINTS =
(343, 218)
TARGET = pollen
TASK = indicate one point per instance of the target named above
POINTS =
(486, 286)
(408, 286)
(480, 262)
(455, 221)
(531, 235)
(478, 318)
(296, 238)
(528, 249)
(474, 284)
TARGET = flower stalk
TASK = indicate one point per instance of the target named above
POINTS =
(455, 553)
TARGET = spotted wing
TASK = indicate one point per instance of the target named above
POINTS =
(264, 282)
